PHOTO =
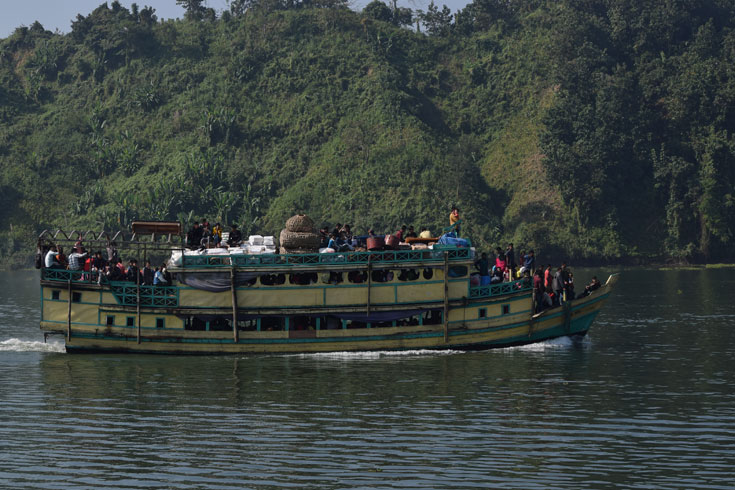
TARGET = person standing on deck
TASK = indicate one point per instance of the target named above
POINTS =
(510, 260)
(454, 219)
(483, 266)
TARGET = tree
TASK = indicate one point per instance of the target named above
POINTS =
(194, 8)
(437, 22)
(377, 10)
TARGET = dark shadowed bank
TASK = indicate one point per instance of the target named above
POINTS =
(597, 131)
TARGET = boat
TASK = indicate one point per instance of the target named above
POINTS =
(234, 302)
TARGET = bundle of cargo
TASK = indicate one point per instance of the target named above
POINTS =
(258, 244)
(299, 236)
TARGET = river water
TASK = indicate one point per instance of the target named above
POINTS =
(645, 401)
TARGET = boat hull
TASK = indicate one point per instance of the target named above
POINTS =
(574, 319)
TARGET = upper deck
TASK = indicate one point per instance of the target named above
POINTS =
(322, 261)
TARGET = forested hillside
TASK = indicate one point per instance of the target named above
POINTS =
(587, 129)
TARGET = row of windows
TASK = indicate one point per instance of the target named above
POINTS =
(130, 321)
(482, 312)
(354, 277)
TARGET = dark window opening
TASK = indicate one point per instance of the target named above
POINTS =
(428, 274)
(130, 321)
(76, 297)
(482, 313)
(55, 294)
(408, 275)
(160, 323)
(110, 320)
(506, 309)
(458, 271)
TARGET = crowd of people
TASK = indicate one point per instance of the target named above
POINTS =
(204, 235)
(94, 266)
(341, 238)
(550, 287)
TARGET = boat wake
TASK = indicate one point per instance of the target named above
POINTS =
(378, 354)
(18, 345)
(558, 343)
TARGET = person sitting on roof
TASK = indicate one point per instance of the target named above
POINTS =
(50, 259)
(235, 236)
(217, 234)
(61, 258)
(401, 234)
(411, 233)
(425, 233)
(76, 259)
(194, 236)
(324, 236)
(454, 219)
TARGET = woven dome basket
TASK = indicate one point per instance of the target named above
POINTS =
(301, 240)
(300, 223)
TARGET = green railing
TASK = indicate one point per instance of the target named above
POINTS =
(126, 294)
(64, 275)
(352, 258)
(500, 288)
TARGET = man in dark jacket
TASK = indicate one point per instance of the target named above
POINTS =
(133, 271)
(235, 236)
(148, 274)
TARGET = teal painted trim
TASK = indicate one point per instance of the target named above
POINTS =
(558, 331)
(286, 323)
(291, 261)
(318, 323)
(499, 289)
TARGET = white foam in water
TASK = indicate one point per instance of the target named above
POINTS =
(17, 345)
(558, 343)
(379, 354)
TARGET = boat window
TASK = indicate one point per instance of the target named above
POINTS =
(272, 323)
(247, 325)
(408, 275)
(382, 276)
(130, 321)
(110, 320)
(482, 313)
(428, 274)
(302, 278)
(55, 294)
(194, 323)
(458, 271)
(160, 322)
(433, 317)
(506, 309)
(76, 297)
(357, 277)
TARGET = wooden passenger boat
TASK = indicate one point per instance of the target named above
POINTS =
(300, 303)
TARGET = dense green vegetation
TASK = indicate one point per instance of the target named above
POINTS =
(587, 129)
